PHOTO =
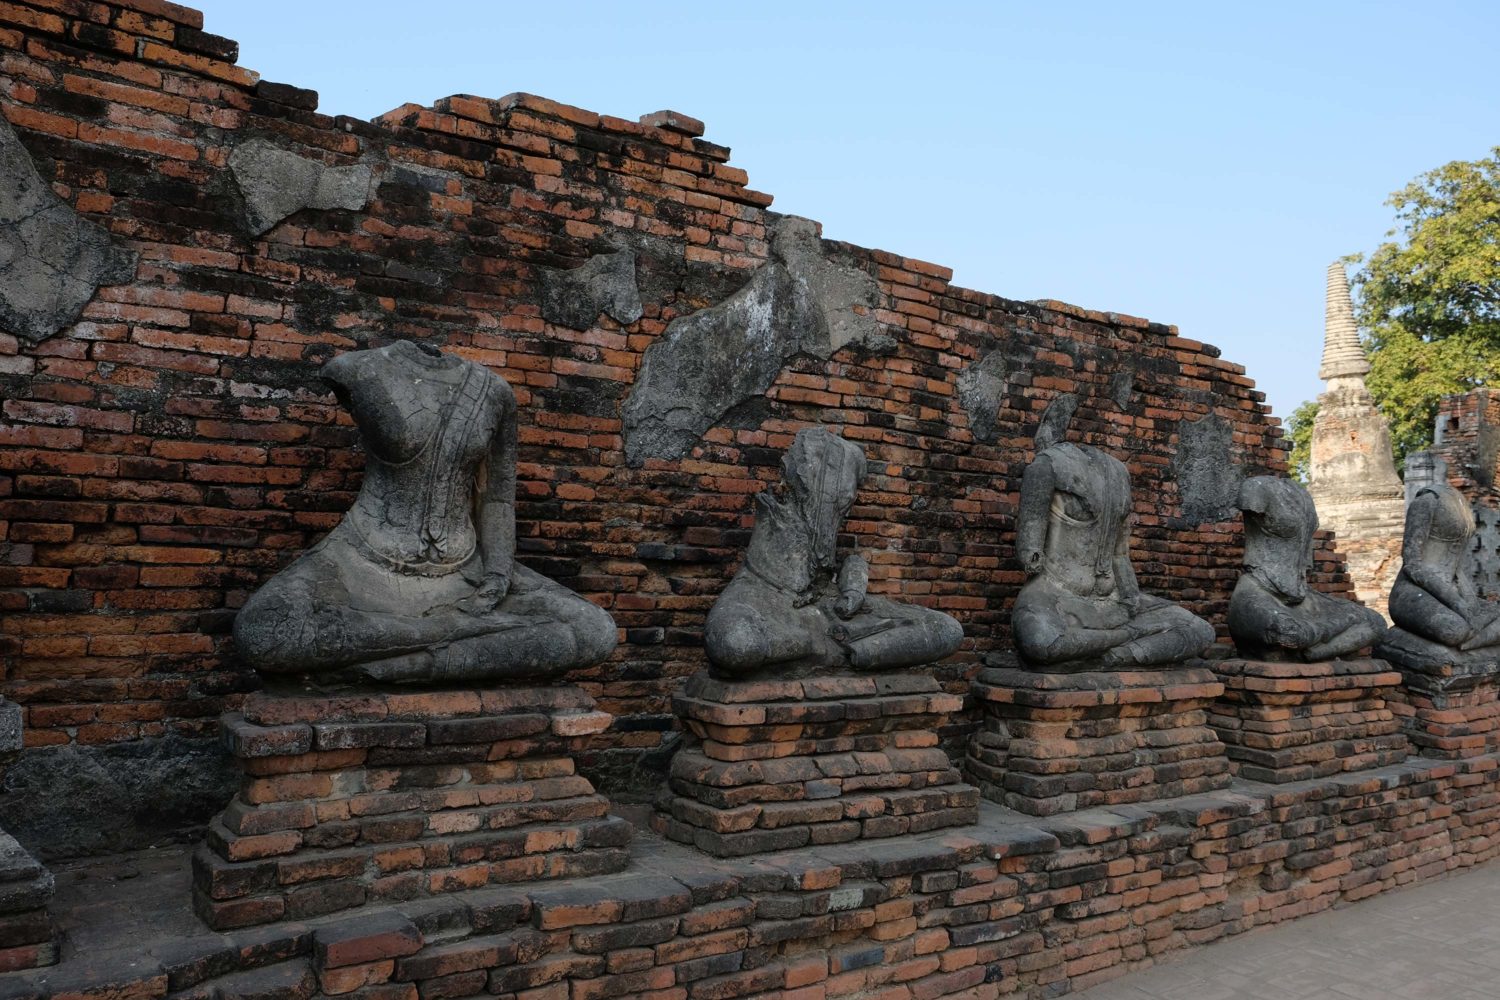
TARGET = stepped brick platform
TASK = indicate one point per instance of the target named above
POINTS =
(1283, 722)
(1448, 710)
(1056, 742)
(352, 799)
(776, 765)
(1012, 906)
(27, 937)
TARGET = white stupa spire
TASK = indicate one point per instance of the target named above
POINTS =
(1343, 356)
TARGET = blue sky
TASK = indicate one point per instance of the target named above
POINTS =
(1197, 164)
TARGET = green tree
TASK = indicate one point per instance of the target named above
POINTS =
(1299, 432)
(1429, 297)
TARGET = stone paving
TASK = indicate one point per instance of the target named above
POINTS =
(1437, 941)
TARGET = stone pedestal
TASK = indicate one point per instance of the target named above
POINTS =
(1055, 742)
(1448, 702)
(373, 797)
(27, 937)
(1283, 722)
(776, 765)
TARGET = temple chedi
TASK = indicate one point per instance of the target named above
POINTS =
(1352, 475)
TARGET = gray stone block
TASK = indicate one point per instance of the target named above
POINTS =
(16, 865)
(72, 801)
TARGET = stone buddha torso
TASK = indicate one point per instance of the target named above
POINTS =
(418, 582)
(1435, 604)
(795, 607)
(1274, 614)
(1445, 524)
(1087, 520)
(1081, 607)
(426, 430)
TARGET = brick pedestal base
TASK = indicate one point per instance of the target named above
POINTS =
(1051, 743)
(774, 765)
(1284, 722)
(27, 937)
(388, 796)
(1451, 725)
(1448, 702)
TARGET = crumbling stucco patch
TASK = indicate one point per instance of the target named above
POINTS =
(605, 283)
(57, 799)
(52, 260)
(1053, 428)
(711, 361)
(1208, 479)
(10, 726)
(981, 392)
(276, 183)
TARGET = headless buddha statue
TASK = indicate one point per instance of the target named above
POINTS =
(418, 582)
(1081, 608)
(1439, 614)
(1274, 614)
(795, 608)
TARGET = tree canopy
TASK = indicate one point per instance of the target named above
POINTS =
(1429, 297)
(1299, 432)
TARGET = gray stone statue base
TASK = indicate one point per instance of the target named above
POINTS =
(27, 937)
(1449, 700)
(1436, 668)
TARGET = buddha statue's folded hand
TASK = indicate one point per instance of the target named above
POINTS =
(853, 584)
(487, 596)
(848, 605)
(1288, 632)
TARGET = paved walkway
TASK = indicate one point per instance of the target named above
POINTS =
(1439, 941)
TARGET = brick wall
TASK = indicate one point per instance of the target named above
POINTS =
(171, 449)
(1466, 436)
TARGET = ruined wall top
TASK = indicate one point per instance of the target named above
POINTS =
(1466, 436)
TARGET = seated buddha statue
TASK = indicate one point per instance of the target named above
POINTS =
(1081, 607)
(797, 608)
(418, 582)
(1439, 615)
(1274, 614)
